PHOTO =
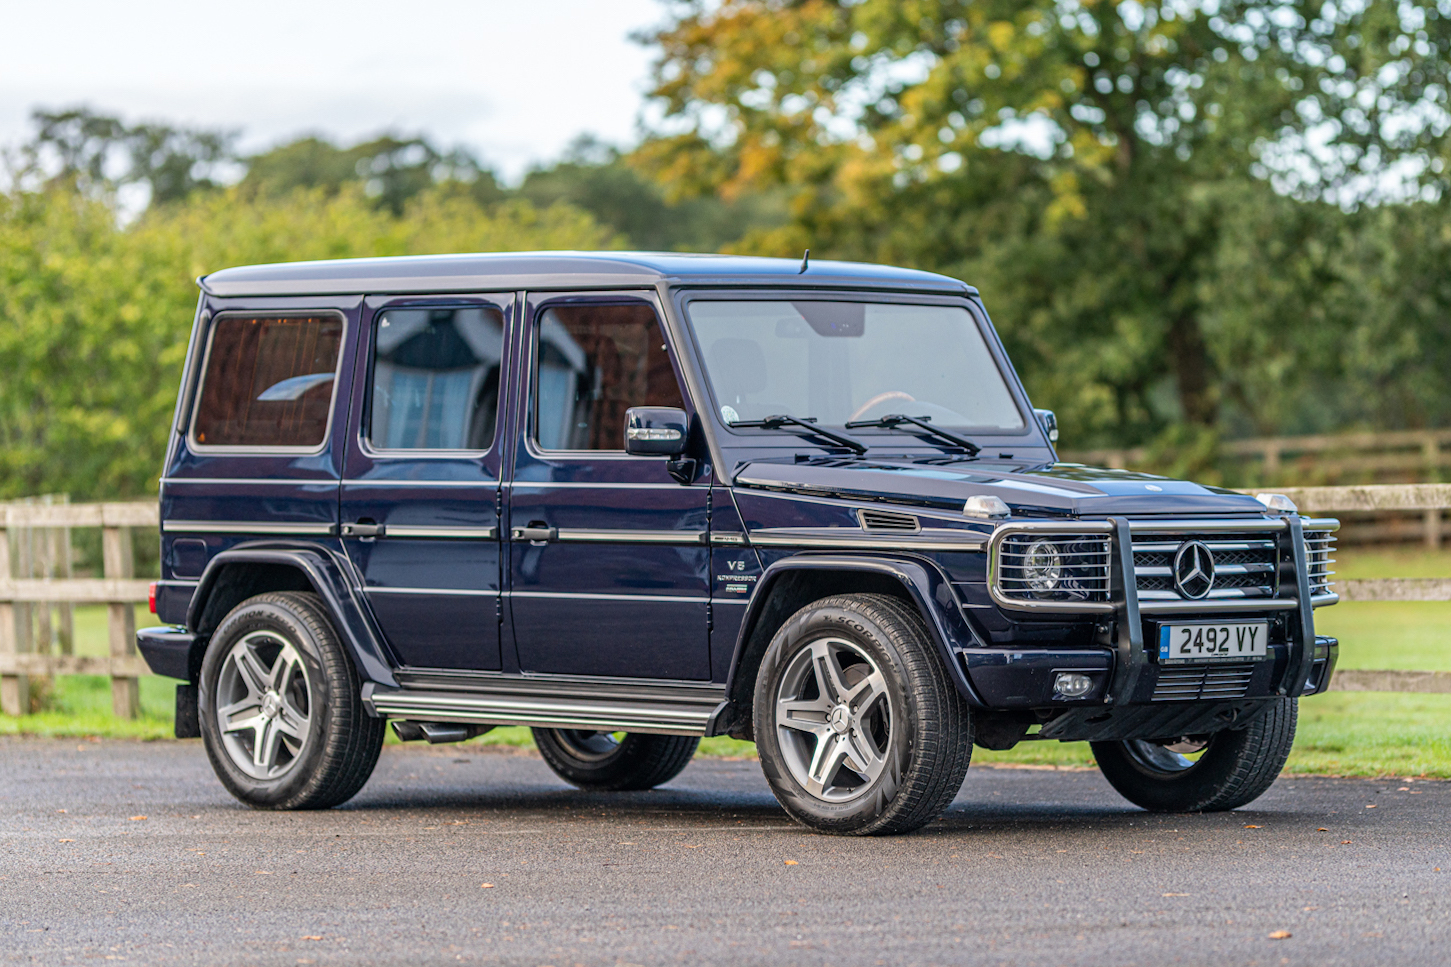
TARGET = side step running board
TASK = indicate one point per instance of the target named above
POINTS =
(503, 708)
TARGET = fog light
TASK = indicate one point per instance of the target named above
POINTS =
(1072, 684)
(1043, 565)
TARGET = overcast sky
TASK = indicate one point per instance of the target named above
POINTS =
(513, 79)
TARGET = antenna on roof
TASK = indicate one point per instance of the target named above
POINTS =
(805, 262)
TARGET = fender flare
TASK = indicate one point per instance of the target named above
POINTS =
(927, 587)
(329, 579)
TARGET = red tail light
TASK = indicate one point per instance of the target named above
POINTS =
(151, 596)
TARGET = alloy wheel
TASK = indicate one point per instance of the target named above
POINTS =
(264, 707)
(834, 719)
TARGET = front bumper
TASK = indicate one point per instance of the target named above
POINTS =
(1123, 671)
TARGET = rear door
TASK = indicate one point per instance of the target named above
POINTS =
(421, 484)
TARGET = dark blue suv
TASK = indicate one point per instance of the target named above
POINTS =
(630, 500)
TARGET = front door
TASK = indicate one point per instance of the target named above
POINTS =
(608, 557)
(421, 487)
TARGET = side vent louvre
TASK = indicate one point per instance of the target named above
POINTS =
(885, 520)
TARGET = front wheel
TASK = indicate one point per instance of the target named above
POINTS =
(614, 760)
(281, 716)
(858, 726)
(1222, 771)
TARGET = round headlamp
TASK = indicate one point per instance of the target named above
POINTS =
(1043, 565)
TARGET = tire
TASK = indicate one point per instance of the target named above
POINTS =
(1236, 767)
(277, 673)
(609, 760)
(897, 757)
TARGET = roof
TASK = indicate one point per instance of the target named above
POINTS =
(556, 270)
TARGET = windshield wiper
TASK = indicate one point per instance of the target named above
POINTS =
(809, 423)
(894, 421)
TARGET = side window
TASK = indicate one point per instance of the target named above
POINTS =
(595, 362)
(269, 381)
(436, 378)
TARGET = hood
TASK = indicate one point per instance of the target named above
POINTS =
(1062, 489)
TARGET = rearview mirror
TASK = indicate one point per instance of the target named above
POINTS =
(657, 431)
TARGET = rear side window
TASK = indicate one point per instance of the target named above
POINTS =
(269, 381)
(436, 378)
(594, 363)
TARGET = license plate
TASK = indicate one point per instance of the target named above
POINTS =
(1213, 641)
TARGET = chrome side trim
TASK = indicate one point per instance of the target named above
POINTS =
(246, 527)
(444, 533)
(669, 718)
(602, 485)
(625, 536)
(841, 538)
(248, 481)
(474, 484)
(587, 596)
(454, 591)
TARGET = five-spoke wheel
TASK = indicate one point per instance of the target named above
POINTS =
(264, 705)
(834, 719)
(280, 706)
(859, 727)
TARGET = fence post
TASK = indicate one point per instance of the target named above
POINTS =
(118, 562)
(14, 689)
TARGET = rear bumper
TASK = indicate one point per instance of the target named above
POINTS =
(167, 650)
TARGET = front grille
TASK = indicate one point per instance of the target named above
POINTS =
(1245, 566)
(1187, 683)
(1054, 567)
(1319, 551)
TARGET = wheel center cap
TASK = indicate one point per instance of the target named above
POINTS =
(840, 719)
(271, 703)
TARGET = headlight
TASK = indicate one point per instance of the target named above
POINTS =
(1043, 565)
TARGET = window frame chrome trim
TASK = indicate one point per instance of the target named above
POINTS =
(247, 527)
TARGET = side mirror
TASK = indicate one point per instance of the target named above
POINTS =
(655, 431)
(1049, 421)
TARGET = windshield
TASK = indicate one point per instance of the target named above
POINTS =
(839, 362)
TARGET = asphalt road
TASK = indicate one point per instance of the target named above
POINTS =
(120, 851)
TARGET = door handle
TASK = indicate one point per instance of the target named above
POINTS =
(537, 532)
(363, 529)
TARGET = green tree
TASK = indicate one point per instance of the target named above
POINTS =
(94, 317)
(1095, 167)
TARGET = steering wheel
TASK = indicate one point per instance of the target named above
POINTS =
(879, 399)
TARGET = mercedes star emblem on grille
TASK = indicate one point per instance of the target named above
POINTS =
(1194, 570)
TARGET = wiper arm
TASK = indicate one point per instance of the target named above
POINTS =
(809, 423)
(894, 421)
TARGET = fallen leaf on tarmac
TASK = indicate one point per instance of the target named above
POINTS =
(263, 873)
(1345, 842)
(137, 819)
(792, 863)
(1371, 806)
(1253, 827)
(311, 938)
(1280, 935)
(1322, 829)
(65, 841)
(1173, 894)
(486, 886)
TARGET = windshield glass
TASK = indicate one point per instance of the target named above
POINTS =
(846, 361)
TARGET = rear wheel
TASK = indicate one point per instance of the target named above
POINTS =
(859, 728)
(279, 705)
(1206, 773)
(614, 760)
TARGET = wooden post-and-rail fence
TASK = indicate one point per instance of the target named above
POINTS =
(21, 595)
(119, 590)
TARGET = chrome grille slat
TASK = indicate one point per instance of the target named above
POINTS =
(1245, 566)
